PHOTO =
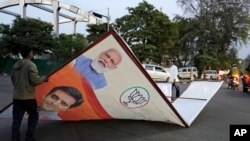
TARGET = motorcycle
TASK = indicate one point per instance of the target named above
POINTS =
(233, 82)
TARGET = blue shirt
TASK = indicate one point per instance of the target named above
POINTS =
(83, 66)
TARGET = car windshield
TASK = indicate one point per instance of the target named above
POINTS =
(159, 69)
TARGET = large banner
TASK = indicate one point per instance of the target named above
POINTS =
(105, 81)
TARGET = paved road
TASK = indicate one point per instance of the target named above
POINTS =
(225, 108)
(6, 89)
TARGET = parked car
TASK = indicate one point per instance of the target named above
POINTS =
(210, 74)
(157, 73)
(185, 72)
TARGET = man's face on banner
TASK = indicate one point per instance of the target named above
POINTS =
(57, 101)
(107, 60)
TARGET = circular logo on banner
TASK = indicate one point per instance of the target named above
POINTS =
(134, 97)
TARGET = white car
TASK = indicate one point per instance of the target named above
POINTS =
(185, 72)
(210, 74)
(157, 73)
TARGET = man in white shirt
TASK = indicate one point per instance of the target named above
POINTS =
(173, 70)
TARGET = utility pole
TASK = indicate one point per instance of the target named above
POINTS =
(100, 16)
(108, 19)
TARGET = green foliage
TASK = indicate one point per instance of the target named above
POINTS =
(67, 46)
(28, 32)
(37, 34)
(4, 30)
(184, 44)
(147, 51)
(147, 31)
(208, 39)
(95, 31)
(218, 28)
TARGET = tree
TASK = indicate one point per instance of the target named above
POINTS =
(147, 30)
(67, 46)
(184, 44)
(220, 27)
(95, 31)
(28, 32)
(4, 30)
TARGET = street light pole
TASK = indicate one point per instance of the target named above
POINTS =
(108, 19)
(100, 16)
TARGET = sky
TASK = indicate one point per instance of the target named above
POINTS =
(117, 9)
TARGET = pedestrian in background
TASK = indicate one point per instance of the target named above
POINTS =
(24, 78)
(173, 70)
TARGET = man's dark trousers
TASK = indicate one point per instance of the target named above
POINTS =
(19, 108)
